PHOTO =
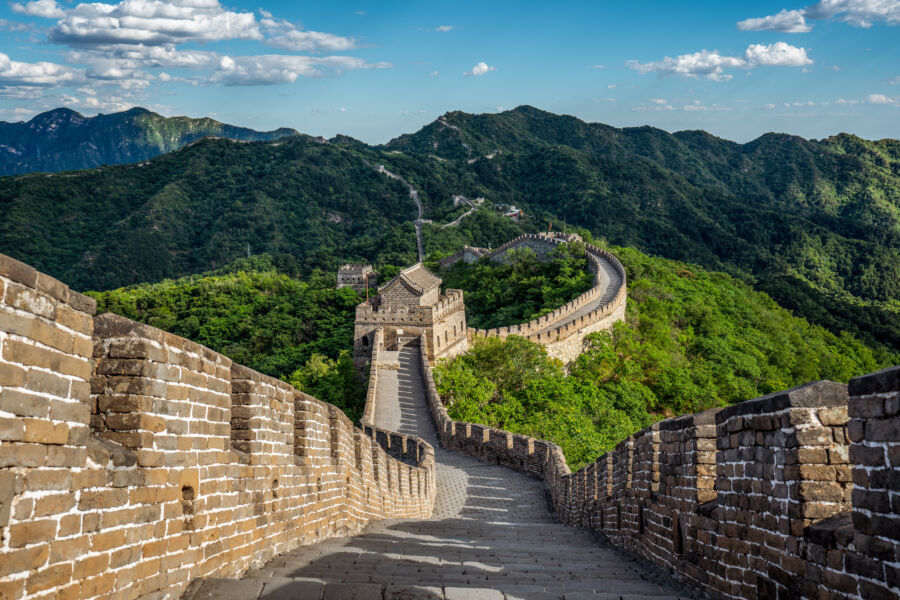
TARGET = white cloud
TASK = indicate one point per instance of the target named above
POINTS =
(658, 101)
(44, 74)
(433, 74)
(769, 106)
(882, 99)
(479, 70)
(712, 65)
(271, 69)
(284, 34)
(787, 21)
(894, 81)
(443, 28)
(596, 66)
(858, 13)
(47, 9)
(611, 86)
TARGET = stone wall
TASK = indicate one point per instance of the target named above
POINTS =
(563, 330)
(133, 461)
(792, 495)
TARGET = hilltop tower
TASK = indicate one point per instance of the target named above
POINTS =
(408, 306)
(356, 275)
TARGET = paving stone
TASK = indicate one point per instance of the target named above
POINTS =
(353, 591)
(291, 589)
(464, 593)
(395, 592)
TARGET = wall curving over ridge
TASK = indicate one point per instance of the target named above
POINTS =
(133, 461)
(563, 330)
(791, 495)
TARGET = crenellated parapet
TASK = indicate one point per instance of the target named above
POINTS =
(133, 461)
(562, 331)
(791, 495)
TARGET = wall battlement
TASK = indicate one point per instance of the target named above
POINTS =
(792, 495)
(563, 330)
(133, 461)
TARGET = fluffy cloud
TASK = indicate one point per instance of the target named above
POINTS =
(478, 70)
(859, 13)
(271, 69)
(44, 74)
(444, 28)
(712, 64)
(152, 22)
(787, 21)
(47, 9)
(284, 34)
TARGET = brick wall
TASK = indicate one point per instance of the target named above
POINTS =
(133, 461)
(565, 341)
(792, 495)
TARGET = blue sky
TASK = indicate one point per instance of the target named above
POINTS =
(374, 70)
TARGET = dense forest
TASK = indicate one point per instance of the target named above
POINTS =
(521, 288)
(255, 313)
(692, 340)
(816, 224)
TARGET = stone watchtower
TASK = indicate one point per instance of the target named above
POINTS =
(356, 276)
(406, 307)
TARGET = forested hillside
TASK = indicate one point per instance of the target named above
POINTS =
(816, 224)
(692, 340)
(62, 139)
(258, 314)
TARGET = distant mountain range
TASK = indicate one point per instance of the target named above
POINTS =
(816, 224)
(63, 140)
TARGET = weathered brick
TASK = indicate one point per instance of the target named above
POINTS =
(45, 432)
(30, 300)
(23, 455)
(49, 479)
(18, 271)
(24, 404)
(31, 532)
(90, 566)
(12, 430)
(51, 577)
(53, 505)
(883, 430)
(24, 560)
(11, 375)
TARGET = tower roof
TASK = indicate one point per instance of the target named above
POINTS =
(417, 278)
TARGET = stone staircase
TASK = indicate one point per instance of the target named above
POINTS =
(491, 537)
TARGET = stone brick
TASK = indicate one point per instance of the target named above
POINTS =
(24, 404)
(12, 430)
(883, 430)
(51, 577)
(23, 455)
(18, 271)
(45, 432)
(24, 560)
(31, 532)
(11, 375)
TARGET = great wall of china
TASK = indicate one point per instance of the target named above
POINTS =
(134, 462)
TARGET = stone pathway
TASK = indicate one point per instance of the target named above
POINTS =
(491, 537)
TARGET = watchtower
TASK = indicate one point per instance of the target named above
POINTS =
(409, 305)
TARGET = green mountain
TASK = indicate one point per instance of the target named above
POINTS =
(816, 224)
(63, 140)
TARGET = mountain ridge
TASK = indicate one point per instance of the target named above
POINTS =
(63, 139)
(816, 224)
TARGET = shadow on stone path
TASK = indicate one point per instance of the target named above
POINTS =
(491, 537)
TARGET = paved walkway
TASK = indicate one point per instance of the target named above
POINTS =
(491, 537)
